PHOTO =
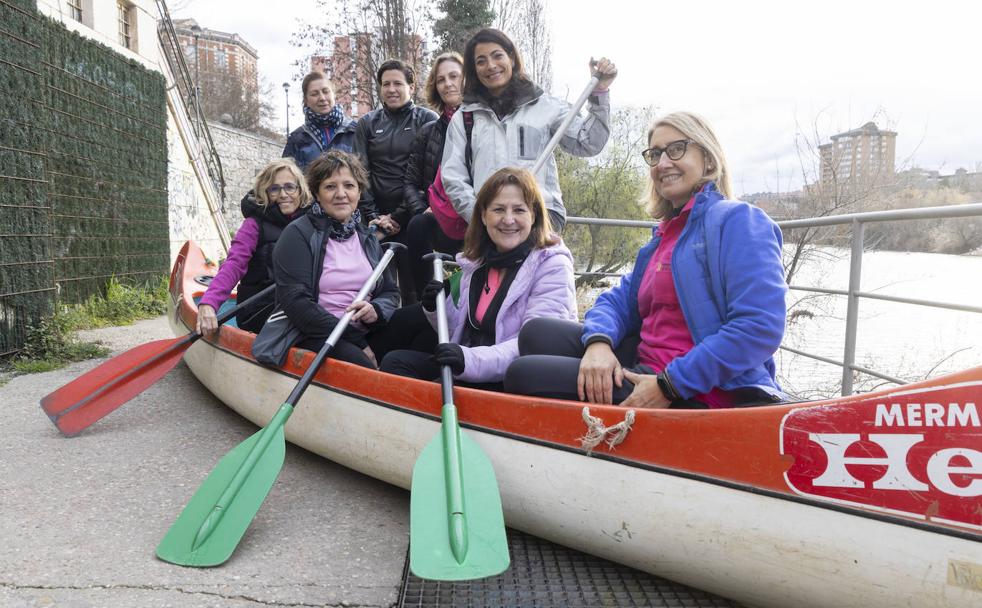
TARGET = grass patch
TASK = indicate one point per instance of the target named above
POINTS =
(53, 344)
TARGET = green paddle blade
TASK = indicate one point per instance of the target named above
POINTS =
(481, 545)
(217, 516)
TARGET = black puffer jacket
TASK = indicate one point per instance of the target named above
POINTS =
(383, 140)
(259, 273)
(298, 260)
(421, 169)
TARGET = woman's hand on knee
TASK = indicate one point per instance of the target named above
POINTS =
(646, 393)
(599, 372)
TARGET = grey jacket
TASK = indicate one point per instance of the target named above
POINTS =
(516, 141)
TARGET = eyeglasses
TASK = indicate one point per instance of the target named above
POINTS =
(675, 151)
(274, 190)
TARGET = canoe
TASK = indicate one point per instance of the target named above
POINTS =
(868, 500)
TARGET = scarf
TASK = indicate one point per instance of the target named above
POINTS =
(518, 92)
(325, 124)
(336, 230)
(510, 259)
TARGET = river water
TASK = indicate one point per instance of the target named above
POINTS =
(901, 340)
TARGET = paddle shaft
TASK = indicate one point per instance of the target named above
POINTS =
(285, 410)
(450, 428)
(561, 131)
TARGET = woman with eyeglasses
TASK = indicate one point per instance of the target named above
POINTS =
(696, 322)
(507, 120)
(281, 197)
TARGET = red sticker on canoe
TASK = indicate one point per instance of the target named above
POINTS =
(916, 453)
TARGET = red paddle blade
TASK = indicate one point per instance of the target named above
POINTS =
(77, 405)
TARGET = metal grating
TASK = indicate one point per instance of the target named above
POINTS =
(545, 575)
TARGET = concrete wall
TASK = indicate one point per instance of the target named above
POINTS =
(243, 156)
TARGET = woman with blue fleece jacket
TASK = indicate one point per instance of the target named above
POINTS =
(695, 324)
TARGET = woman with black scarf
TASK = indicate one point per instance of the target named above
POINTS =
(514, 269)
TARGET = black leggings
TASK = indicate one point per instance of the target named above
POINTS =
(416, 364)
(549, 362)
(423, 236)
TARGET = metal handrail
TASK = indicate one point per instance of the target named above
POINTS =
(189, 89)
(858, 222)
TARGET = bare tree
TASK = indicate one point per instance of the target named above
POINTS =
(358, 35)
(607, 186)
(527, 23)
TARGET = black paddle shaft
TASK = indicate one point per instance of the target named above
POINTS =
(231, 312)
(332, 339)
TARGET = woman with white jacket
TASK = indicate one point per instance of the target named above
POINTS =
(511, 120)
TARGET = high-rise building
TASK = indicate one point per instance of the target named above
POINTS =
(350, 67)
(214, 57)
(347, 68)
(861, 156)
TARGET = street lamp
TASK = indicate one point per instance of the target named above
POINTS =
(196, 32)
(286, 92)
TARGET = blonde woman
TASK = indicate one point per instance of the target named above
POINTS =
(696, 323)
(281, 197)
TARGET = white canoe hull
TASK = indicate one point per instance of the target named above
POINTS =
(751, 547)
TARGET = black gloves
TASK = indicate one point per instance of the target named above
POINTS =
(432, 291)
(450, 354)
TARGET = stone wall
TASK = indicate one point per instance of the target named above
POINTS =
(243, 156)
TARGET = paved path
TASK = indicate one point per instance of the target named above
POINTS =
(80, 518)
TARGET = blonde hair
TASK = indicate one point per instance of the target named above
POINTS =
(268, 175)
(476, 240)
(695, 128)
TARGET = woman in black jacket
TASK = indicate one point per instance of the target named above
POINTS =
(444, 87)
(322, 260)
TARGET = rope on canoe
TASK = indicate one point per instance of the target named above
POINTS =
(597, 432)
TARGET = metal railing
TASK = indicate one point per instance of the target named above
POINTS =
(857, 222)
(190, 95)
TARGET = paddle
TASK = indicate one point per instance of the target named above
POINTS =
(214, 520)
(456, 526)
(80, 403)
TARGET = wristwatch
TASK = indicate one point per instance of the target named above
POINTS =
(666, 387)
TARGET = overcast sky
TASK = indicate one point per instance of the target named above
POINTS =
(758, 70)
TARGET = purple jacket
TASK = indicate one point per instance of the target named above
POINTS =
(543, 287)
(235, 265)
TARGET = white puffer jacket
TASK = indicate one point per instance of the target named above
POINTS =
(516, 141)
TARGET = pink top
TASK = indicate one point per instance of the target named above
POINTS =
(664, 333)
(488, 292)
(346, 268)
(235, 265)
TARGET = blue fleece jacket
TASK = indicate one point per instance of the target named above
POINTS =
(730, 283)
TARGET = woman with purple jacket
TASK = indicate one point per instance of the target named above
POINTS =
(514, 269)
(281, 197)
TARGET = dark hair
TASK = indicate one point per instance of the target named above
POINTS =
(433, 98)
(472, 84)
(396, 64)
(477, 241)
(312, 76)
(329, 163)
